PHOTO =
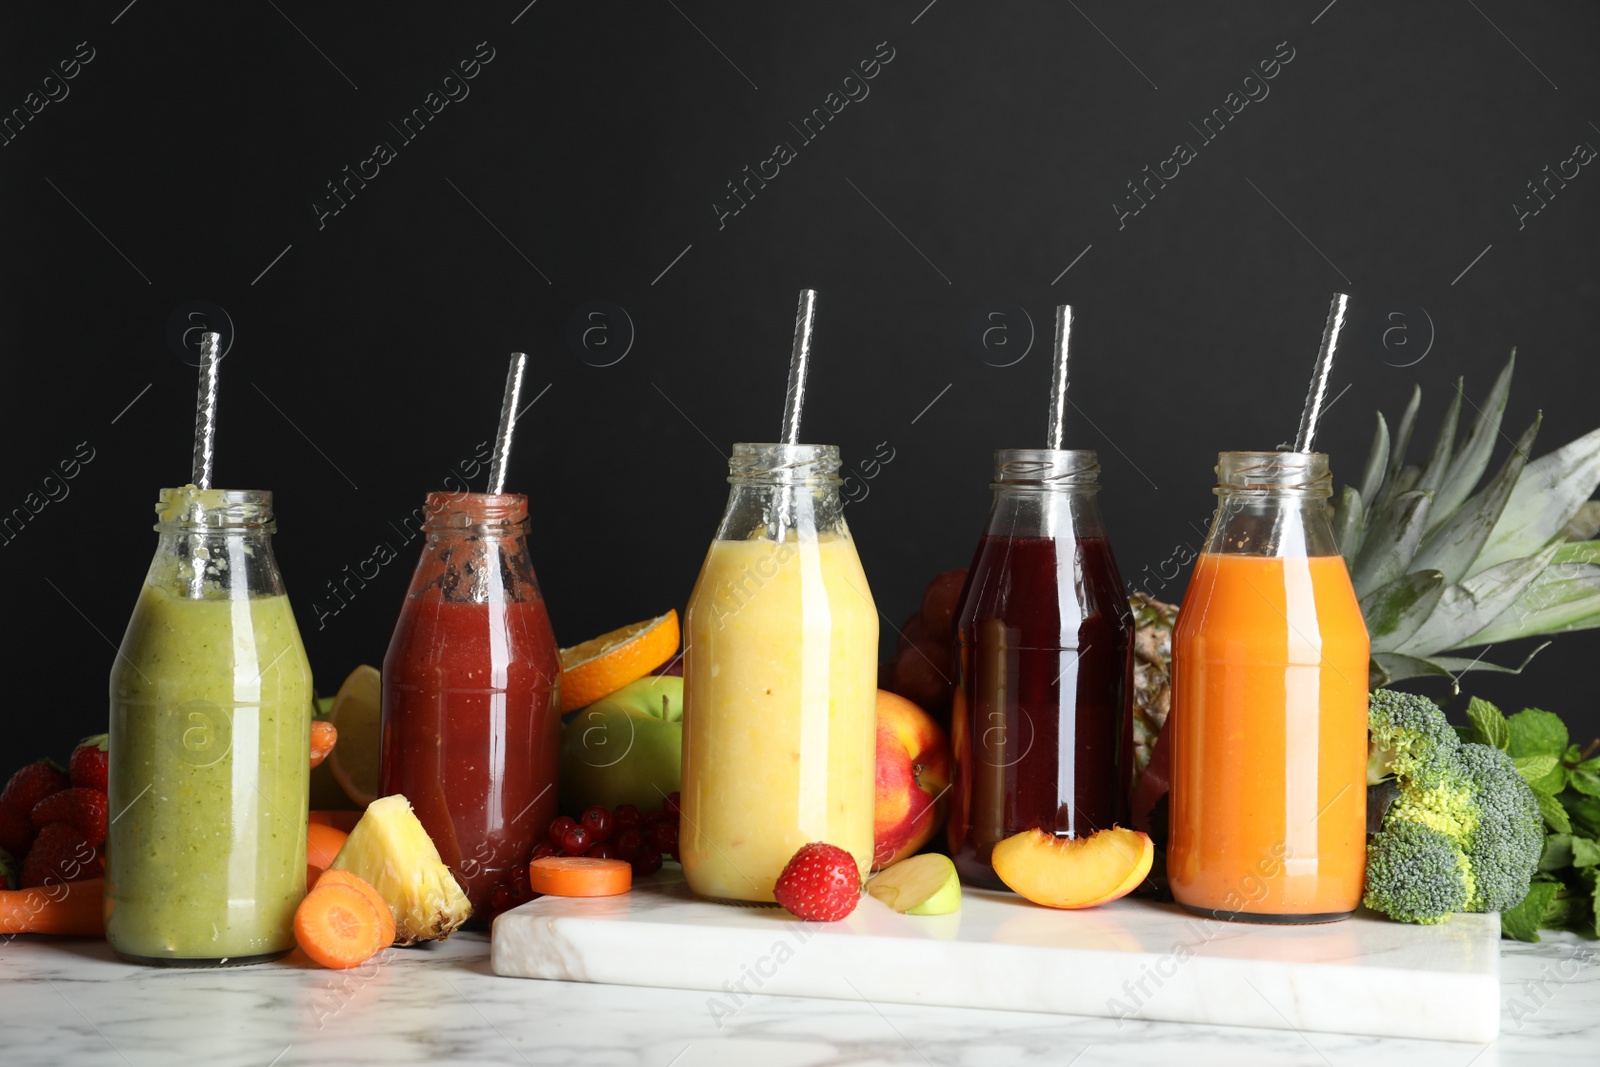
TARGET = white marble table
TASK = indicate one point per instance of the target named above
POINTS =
(69, 1001)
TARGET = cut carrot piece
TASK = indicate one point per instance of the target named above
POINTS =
(323, 737)
(355, 881)
(323, 844)
(63, 908)
(338, 926)
(579, 876)
(339, 820)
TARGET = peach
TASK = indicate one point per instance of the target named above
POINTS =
(913, 772)
(1063, 872)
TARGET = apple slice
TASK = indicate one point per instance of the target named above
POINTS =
(1064, 872)
(921, 885)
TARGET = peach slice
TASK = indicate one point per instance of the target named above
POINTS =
(1062, 872)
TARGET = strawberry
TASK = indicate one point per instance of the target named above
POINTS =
(61, 854)
(819, 882)
(32, 784)
(323, 736)
(84, 809)
(87, 767)
(16, 832)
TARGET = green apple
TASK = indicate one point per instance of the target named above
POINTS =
(922, 885)
(626, 748)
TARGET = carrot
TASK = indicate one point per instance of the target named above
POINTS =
(355, 881)
(63, 908)
(338, 926)
(579, 876)
(339, 820)
(323, 844)
(323, 736)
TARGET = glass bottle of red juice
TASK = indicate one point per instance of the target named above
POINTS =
(1042, 728)
(471, 711)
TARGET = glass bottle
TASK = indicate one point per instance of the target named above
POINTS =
(210, 735)
(1042, 725)
(471, 706)
(1269, 705)
(780, 679)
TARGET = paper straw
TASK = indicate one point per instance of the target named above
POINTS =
(795, 396)
(205, 413)
(508, 422)
(1312, 414)
(1058, 375)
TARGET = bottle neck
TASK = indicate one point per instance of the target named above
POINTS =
(783, 492)
(215, 544)
(1271, 524)
(476, 550)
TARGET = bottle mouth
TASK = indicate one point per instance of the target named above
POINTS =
(446, 511)
(188, 508)
(1277, 473)
(765, 463)
(1046, 468)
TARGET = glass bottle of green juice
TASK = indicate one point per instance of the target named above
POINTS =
(210, 734)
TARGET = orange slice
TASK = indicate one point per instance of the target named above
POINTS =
(602, 665)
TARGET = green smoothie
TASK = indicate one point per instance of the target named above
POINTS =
(210, 730)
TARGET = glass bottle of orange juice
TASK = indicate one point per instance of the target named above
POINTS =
(1269, 705)
(779, 680)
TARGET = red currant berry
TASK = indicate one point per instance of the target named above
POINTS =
(576, 841)
(626, 816)
(602, 850)
(628, 843)
(598, 822)
(543, 849)
(671, 806)
(664, 836)
(651, 820)
(649, 862)
(559, 828)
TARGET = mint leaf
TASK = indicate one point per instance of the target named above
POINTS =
(1585, 778)
(1521, 923)
(1557, 852)
(1537, 733)
(1540, 771)
(1585, 852)
(1553, 813)
(1489, 724)
(1584, 810)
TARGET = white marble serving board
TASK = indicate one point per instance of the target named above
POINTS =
(1131, 959)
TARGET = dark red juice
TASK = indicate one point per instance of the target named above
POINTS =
(1041, 727)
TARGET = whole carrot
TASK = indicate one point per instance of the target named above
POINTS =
(63, 908)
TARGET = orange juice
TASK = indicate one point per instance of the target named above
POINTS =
(1269, 739)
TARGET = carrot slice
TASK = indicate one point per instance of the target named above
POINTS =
(323, 844)
(341, 820)
(62, 908)
(579, 876)
(338, 926)
(355, 881)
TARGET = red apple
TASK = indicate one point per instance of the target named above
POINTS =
(913, 779)
(940, 601)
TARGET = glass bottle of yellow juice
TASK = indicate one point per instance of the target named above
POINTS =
(780, 679)
(210, 737)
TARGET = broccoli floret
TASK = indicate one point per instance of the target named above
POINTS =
(1409, 737)
(1504, 848)
(1415, 874)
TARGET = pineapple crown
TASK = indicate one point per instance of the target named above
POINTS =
(1440, 565)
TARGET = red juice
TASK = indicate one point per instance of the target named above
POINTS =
(1041, 727)
(471, 712)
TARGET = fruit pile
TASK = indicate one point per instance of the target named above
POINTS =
(53, 822)
(640, 839)
(923, 669)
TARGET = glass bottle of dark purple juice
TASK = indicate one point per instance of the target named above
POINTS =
(1042, 728)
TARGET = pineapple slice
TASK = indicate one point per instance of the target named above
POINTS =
(390, 849)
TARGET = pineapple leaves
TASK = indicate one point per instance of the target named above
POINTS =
(1473, 458)
(1468, 607)
(1394, 612)
(1347, 525)
(1377, 466)
(1455, 545)
(1433, 474)
(1389, 544)
(1565, 597)
(1549, 494)
(1402, 438)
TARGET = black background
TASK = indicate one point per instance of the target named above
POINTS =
(368, 357)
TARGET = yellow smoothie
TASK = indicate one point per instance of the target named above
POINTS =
(780, 691)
